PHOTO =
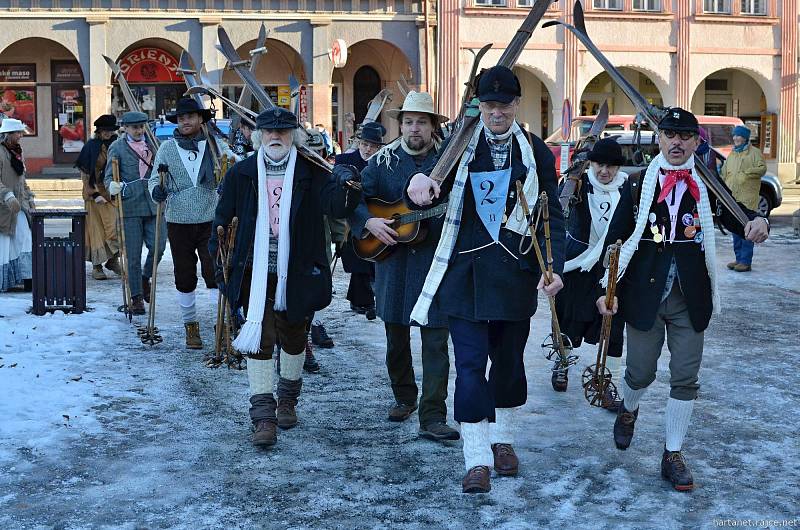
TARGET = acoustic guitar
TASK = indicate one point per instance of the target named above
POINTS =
(405, 222)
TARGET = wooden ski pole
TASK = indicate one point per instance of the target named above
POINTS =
(123, 251)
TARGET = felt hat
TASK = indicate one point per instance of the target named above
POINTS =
(133, 118)
(607, 151)
(679, 120)
(498, 83)
(277, 118)
(417, 102)
(188, 106)
(106, 122)
(372, 132)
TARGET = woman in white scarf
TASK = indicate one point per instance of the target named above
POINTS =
(587, 227)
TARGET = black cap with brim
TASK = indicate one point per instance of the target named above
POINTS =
(498, 83)
(189, 106)
(277, 118)
(372, 132)
(680, 120)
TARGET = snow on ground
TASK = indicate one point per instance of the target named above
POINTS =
(99, 431)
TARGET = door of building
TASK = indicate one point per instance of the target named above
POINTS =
(69, 111)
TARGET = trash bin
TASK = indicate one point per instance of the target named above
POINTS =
(59, 272)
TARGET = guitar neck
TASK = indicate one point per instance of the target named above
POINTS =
(420, 215)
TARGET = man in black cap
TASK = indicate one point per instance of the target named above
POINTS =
(191, 188)
(101, 216)
(668, 281)
(587, 225)
(362, 272)
(280, 271)
(479, 278)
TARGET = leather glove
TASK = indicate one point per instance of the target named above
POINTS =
(14, 205)
(346, 173)
(159, 193)
(114, 188)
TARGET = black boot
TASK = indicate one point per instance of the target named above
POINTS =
(623, 427)
(310, 363)
(320, 337)
(609, 401)
(674, 469)
(288, 393)
(560, 378)
(146, 288)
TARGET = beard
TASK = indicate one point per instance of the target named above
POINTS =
(416, 142)
(276, 150)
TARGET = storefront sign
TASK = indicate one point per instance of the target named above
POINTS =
(66, 72)
(303, 104)
(150, 65)
(17, 73)
(338, 53)
(284, 96)
(19, 103)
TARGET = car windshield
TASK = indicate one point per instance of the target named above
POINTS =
(720, 135)
(580, 128)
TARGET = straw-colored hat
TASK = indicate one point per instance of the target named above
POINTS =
(417, 102)
(10, 125)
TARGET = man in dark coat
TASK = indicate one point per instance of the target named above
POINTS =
(362, 272)
(482, 283)
(668, 263)
(399, 277)
(280, 272)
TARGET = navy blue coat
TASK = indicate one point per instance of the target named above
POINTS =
(315, 193)
(489, 284)
(350, 261)
(399, 277)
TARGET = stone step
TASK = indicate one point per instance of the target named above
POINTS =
(55, 184)
(59, 204)
(60, 171)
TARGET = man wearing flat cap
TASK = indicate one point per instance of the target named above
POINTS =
(190, 192)
(399, 276)
(668, 283)
(135, 155)
(481, 281)
(280, 272)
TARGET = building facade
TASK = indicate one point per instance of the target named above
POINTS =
(716, 57)
(53, 76)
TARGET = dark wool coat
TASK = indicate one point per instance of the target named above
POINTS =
(350, 261)
(399, 277)
(315, 194)
(490, 284)
(640, 289)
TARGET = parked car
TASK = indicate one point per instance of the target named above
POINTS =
(163, 129)
(638, 158)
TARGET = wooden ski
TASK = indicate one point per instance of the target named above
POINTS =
(246, 97)
(189, 72)
(130, 99)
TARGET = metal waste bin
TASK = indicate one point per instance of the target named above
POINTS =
(59, 272)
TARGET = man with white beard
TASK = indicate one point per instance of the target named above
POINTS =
(280, 272)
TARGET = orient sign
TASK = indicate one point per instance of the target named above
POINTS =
(150, 65)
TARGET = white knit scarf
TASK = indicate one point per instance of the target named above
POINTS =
(447, 242)
(606, 192)
(249, 339)
(648, 188)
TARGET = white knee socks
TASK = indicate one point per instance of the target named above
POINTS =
(677, 418)
(186, 301)
(477, 445)
(292, 366)
(614, 364)
(502, 430)
(260, 374)
(631, 397)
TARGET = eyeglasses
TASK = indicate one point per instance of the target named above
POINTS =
(684, 135)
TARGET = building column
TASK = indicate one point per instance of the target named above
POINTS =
(787, 127)
(682, 96)
(319, 89)
(448, 42)
(424, 85)
(572, 57)
(210, 56)
(98, 88)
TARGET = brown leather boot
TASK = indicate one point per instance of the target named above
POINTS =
(506, 462)
(193, 340)
(146, 288)
(288, 392)
(477, 480)
(137, 305)
(98, 274)
(265, 433)
(113, 265)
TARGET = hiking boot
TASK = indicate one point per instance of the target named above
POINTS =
(674, 469)
(288, 392)
(741, 267)
(732, 265)
(623, 427)
(265, 433)
(559, 379)
(193, 340)
(370, 313)
(401, 411)
(113, 265)
(98, 274)
(320, 337)
(609, 402)
(506, 462)
(146, 288)
(310, 363)
(437, 431)
(358, 308)
(137, 305)
(477, 480)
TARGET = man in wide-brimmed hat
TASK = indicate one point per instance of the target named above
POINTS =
(191, 194)
(135, 155)
(481, 281)
(101, 231)
(399, 277)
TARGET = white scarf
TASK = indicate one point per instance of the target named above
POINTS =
(599, 219)
(249, 339)
(447, 242)
(648, 188)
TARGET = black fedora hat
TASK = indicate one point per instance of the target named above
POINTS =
(607, 151)
(373, 132)
(106, 122)
(187, 106)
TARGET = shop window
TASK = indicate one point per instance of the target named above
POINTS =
(717, 6)
(647, 5)
(717, 85)
(524, 3)
(611, 5)
(490, 3)
(754, 7)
